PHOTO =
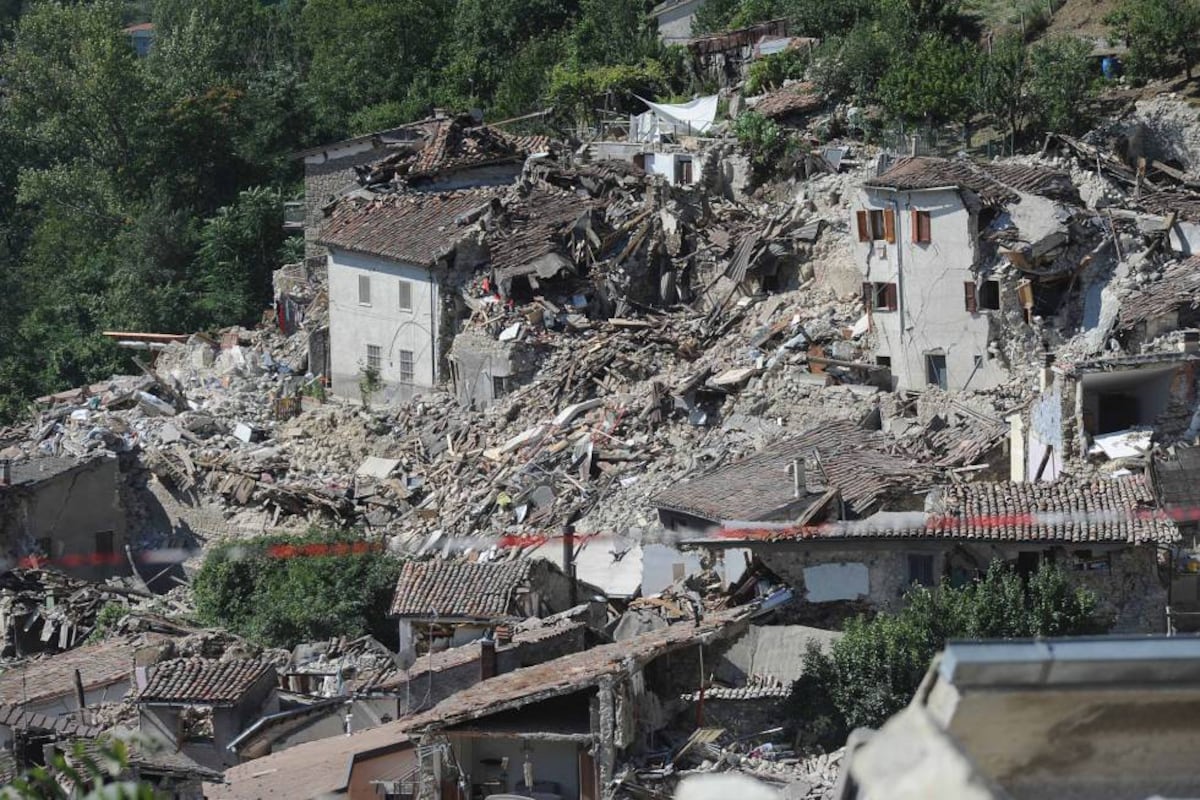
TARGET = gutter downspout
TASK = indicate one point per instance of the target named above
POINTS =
(899, 270)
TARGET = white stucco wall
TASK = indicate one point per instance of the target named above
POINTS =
(353, 326)
(675, 23)
(931, 313)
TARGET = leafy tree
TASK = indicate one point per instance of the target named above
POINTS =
(578, 93)
(772, 71)
(764, 140)
(936, 84)
(1161, 35)
(714, 15)
(874, 669)
(853, 65)
(613, 32)
(329, 590)
(1061, 83)
(68, 779)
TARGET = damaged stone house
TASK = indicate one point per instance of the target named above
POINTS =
(1109, 407)
(197, 707)
(394, 275)
(65, 510)
(955, 257)
(1106, 534)
(835, 472)
(440, 604)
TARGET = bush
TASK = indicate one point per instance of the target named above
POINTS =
(874, 669)
(282, 590)
(764, 141)
(771, 72)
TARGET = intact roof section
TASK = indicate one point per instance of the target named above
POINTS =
(1178, 287)
(760, 487)
(49, 677)
(413, 228)
(460, 589)
(995, 183)
(202, 680)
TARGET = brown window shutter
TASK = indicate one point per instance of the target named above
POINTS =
(969, 295)
(864, 229)
(889, 226)
(916, 225)
(926, 225)
(867, 296)
(892, 299)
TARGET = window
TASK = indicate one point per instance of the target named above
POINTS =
(406, 295)
(935, 370)
(880, 296)
(374, 358)
(970, 302)
(877, 225)
(364, 290)
(406, 366)
(104, 543)
(922, 227)
(883, 361)
(46, 546)
(499, 386)
(920, 569)
(989, 295)
(978, 362)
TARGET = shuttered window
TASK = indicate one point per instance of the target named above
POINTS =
(880, 296)
(864, 227)
(889, 226)
(364, 290)
(969, 296)
(922, 227)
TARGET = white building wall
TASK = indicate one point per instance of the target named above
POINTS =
(675, 23)
(352, 326)
(931, 314)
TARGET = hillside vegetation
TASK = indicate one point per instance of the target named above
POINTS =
(145, 193)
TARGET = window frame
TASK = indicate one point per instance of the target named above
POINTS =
(404, 286)
(407, 361)
(879, 296)
(927, 566)
(364, 290)
(374, 357)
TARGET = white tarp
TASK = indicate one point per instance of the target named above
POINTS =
(693, 118)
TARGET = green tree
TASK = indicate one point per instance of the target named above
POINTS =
(1061, 83)
(714, 15)
(104, 770)
(936, 84)
(1161, 35)
(281, 590)
(874, 669)
(1004, 84)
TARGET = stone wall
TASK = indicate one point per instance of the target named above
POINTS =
(1131, 593)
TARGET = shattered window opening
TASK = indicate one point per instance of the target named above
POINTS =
(989, 296)
(880, 296)
(364, 290)
(935, 370)
(406, 295)
(406, 366)
(374, 357)
(104, 542)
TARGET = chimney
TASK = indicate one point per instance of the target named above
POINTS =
(799, 485)
(569, 560)
(487, 657)
(5, 472)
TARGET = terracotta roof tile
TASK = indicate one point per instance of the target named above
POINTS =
(759, 487)
(201, 680)
(1179, 287)
(414, 228)
(48, 677)
(460, 589)
(538, 225)
(995, 183)
(796, 98)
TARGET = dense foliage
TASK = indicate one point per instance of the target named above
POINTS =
(96, 775)
(873, 671)
(255, 590)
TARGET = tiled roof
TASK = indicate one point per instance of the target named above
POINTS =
(1178, 287)
(460, 589)
(414, 228)
(435, 663)
(150, 760)
(537, 226)
(12, 716)
(759, 487)
(763, 692)
(313, 769)
(453, 146)
(202, 680)
(1120, 510)
(993, 182)
(797, 98)
(572, 673)
(1186, 205)
(49, 677)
